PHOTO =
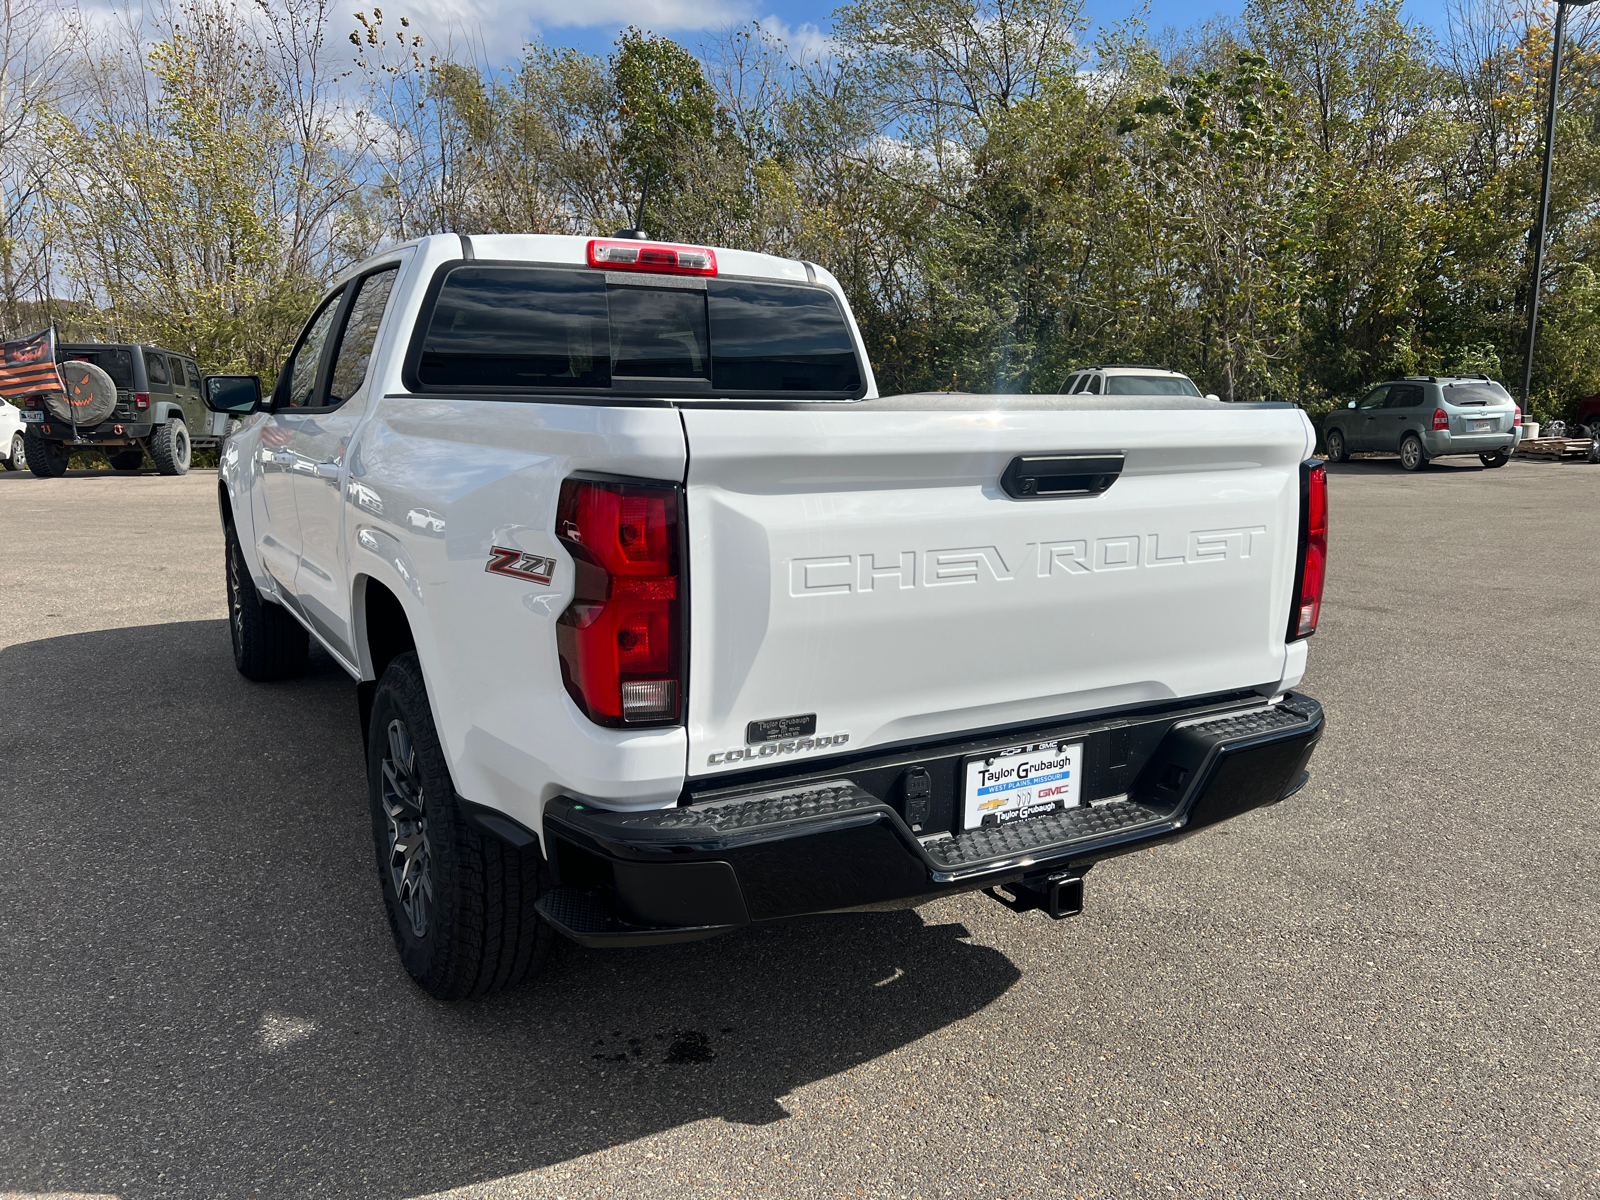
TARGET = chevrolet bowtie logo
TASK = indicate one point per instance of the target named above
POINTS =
(533, 567)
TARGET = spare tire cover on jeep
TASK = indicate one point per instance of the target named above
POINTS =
(90, 398)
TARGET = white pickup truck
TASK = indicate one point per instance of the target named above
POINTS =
(664, 622)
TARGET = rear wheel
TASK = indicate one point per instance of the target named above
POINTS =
(47, 460)
(169, 446)
(17, 460)
(128, 460)
(1336, 448)
(1412, 456)
(460, 901)
(1498, 459)
(267, 642)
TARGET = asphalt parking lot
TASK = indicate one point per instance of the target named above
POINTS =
(1384, 987)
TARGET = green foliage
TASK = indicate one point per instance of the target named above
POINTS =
(1293, 205)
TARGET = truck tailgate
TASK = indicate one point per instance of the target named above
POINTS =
(863, 564)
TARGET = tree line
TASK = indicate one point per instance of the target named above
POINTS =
(1290, 205)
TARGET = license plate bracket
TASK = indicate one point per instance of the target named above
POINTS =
(1017, 782)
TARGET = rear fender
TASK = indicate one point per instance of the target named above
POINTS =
(162, 411)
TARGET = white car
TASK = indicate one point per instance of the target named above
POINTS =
(1129, 379)
(664, 622)
(11, 439)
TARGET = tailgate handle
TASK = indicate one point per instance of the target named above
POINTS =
(1045, 476)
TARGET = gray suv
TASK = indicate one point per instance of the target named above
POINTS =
(1426, 417)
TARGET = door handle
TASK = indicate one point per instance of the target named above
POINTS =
(327, 470)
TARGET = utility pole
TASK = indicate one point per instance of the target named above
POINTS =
(1536, 279)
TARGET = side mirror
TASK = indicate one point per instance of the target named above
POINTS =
(1352, 404)
(1213, 396)
(236, 395)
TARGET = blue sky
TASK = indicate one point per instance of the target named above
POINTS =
(593, 25)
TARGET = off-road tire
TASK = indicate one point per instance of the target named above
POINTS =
(127, 460)
(17, 459)
(481, 932)
(268, 643)
(47, 460)
(170, 448)
(1412, 456)
(1498, 459)
(1337, 451)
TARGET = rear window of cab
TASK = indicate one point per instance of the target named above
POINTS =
(509, 328)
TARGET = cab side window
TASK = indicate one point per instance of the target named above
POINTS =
(1374, 398)
(177, 373)
(1094, 385)
(360, 335)
(307, 358)
(155, 367)
(194, 376)
(1071, 385)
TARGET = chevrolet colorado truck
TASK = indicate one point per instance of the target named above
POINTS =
(663, 622)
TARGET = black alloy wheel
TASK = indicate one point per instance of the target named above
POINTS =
(268, 643)
(460, 901)
(46, 459)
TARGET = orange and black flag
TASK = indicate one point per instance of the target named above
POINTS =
(28, 366)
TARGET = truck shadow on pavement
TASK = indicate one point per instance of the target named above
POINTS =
(200, 997)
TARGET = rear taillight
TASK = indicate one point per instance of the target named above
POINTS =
(1516, 421)
(1312, 560)
(621, 638)
(661, 257)
(141, 399)
(1441, 419)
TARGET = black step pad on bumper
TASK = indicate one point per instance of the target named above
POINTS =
(678, 873)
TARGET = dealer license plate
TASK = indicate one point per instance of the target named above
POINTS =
(1023, 781)
(1480, 426)
(33, 414)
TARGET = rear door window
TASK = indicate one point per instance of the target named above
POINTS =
(360, 334)
(515, 328)
(178, 377)
(194, 375)
(1405, 395)
(307, 359)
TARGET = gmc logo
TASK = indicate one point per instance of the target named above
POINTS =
(838, 574)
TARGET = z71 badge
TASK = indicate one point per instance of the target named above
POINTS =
(533, 567)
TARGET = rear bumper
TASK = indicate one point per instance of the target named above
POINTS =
(114, 430)
(831, 844)
(1441, 442)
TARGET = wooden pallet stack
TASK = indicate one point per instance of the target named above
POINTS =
(1554, 449)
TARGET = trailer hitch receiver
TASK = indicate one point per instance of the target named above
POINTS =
(1059, 894)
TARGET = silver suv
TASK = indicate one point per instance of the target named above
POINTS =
(1421, 418)
(1129, 379)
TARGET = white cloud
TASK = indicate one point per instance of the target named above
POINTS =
(806, 42)
(503, 26)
